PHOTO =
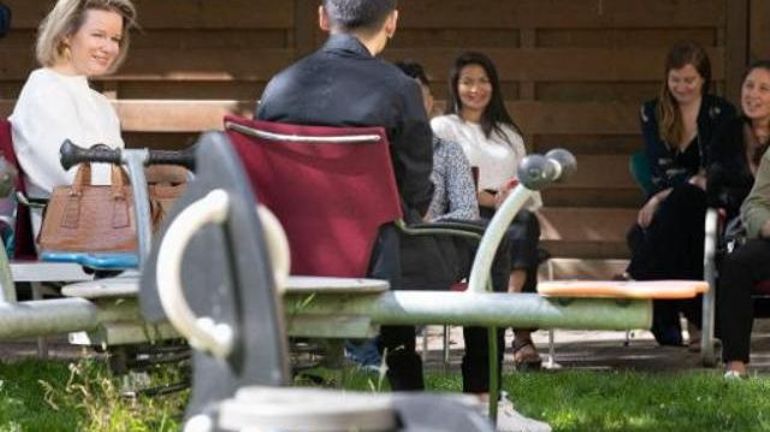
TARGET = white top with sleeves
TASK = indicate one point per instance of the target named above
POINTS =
(496, 157)
(53, 107)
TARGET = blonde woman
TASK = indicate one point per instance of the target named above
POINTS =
(77, 40)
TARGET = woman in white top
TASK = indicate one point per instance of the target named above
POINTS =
(477, 119)
(79, 39)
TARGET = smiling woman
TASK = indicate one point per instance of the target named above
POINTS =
(79, 39)
(678, 128)
(477, 119)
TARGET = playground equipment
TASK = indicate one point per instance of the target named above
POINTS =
(231, 276)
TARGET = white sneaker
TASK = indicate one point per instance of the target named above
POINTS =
(510, 420)
(733, 375)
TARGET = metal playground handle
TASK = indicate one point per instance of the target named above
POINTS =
(203, 332)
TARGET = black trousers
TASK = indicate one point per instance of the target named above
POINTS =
(672, 248)
(434, 263)
(739, 272)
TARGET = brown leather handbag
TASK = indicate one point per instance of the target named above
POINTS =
(88, 218)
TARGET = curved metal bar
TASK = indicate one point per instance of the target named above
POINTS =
(203, 333)
(135, 160)
(482, 264)
(301, 138)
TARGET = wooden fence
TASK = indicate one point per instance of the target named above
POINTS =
(573, 72)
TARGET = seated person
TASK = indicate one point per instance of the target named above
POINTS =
(344, 84)
(749, 263)
(438, 262)
(78, 40)
(667, 240)
(476, 118)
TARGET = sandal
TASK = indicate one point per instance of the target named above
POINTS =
(525, 356)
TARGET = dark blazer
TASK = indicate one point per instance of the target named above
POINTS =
(729, 176)
(342, 84)
(668, 167)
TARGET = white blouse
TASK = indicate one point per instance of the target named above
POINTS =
(53, 107)
(496, 157)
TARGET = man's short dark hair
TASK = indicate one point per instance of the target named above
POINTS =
(414, 70)
(358, 14)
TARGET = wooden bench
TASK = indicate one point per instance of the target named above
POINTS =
(586, 218)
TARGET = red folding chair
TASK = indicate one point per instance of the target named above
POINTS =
(331, 188)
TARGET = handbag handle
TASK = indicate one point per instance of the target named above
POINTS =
(118, 180)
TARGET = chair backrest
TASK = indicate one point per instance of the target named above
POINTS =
(639, 167)
(24, 246)
(332, 188)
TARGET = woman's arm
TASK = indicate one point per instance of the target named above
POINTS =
(647, 212)
(42, 119)
(654, 147)
(755, 211)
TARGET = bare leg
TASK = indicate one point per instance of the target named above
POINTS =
(736, 366)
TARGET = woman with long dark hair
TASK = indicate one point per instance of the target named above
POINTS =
(667, 240)
(477, 119)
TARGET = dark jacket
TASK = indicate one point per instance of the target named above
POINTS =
(342, 84)
(729, 177)
(669, 167)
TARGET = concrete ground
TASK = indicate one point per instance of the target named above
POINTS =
(596, 350)
(603, 350)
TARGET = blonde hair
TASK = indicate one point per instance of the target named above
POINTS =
(66, 18)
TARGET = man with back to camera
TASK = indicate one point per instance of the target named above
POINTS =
(344, 84)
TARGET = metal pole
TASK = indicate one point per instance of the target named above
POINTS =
(134, 160)
(6, 279)
(44, 317)
(495, 231)
(709, 297)
(482, 310)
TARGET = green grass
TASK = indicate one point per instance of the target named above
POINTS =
(58, 396)
(54, 396)
(573, 401)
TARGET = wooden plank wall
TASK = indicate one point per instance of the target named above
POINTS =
(759, 27)
(574, 73)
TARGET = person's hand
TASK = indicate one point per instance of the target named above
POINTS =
(500, 197)
(504, 190)
(765, 231)
(648, 212)
(698, 180)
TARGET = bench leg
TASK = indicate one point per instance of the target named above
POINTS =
(551, 349)
(708, 357)
(42, 343)
(494, 382)
(447, 342)
(424, 354)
